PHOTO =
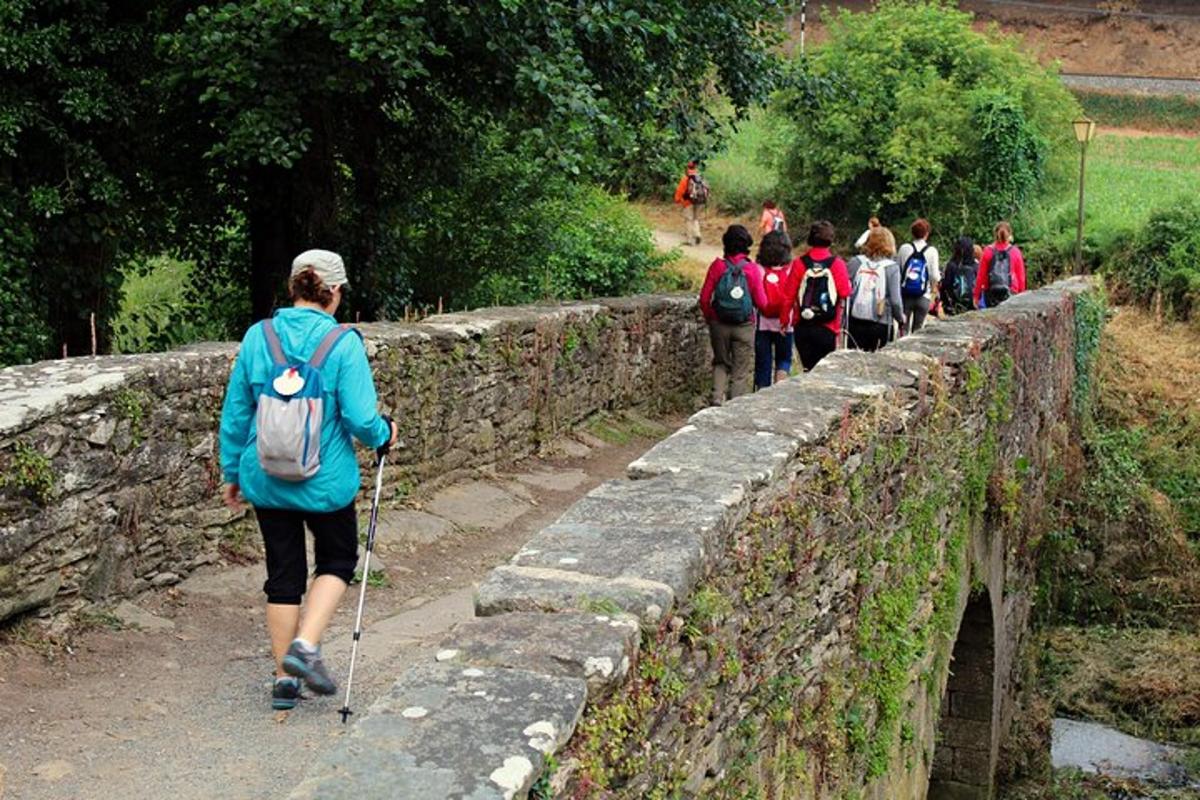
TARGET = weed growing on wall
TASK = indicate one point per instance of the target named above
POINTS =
(888, 507)
(29, 472)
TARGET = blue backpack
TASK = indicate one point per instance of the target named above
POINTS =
(291, 408)
(916, 274)
(731, 299)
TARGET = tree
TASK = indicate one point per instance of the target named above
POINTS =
(76, 128)
(908, 111)
(330, 117)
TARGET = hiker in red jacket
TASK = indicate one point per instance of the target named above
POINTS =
(730, 305)
(1001, 269)
(692, 194)
(815, 290)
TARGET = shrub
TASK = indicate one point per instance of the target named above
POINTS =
(590, 244)
(164, 306)
(908, 111)
(1164, 258)
(509, 229)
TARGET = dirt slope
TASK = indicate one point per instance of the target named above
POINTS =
(1117, 44)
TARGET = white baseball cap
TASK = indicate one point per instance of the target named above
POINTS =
(327, 264)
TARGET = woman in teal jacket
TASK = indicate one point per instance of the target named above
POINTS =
(325, 501)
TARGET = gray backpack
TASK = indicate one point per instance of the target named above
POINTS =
(291, 408)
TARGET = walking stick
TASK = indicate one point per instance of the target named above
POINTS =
(362, 594)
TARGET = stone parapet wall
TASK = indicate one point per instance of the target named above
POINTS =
(109, 476)
(798, 563)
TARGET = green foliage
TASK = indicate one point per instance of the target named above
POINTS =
(163, 307)
(1091, 310)
(446, 148)
(130, 405)
(1144, 112)
(909, 111)
(1164, 259)
(747, 171)
(30, 473)
(77, 149)
(1128, 180)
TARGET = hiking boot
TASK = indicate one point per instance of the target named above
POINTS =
(301, 662)
(285, 694)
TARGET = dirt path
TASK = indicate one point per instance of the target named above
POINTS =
(183, 712)
(704, 252)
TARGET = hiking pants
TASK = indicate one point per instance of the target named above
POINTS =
(733, 359)
(772, 353)
(866, 335)
(335, 545)
(691, 219)
(814, 342)
(915, 311)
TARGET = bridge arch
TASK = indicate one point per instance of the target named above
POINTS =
(966, 745)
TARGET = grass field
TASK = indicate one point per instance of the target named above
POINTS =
(1128, 177)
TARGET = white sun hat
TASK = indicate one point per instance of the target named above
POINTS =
(327, 264)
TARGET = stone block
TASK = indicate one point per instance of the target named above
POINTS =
(796, 408)
(953, 790)
(749, 459)
(665, 530)
(403, 526)
(943, 761)
(971, 705)
(104, 571)
(973, 765)
(35, 596)
(513, 588)
(967, 733)
(595, 647)
(445, 731)
(477, 504)
(132, 616)
(893, 370)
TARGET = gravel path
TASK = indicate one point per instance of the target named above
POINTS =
(182, 713)
(1125, 85)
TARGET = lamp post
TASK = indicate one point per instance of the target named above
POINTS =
(1085, 129)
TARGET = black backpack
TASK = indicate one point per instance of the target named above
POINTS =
(999, 285)
(818, 292)
(958, 287)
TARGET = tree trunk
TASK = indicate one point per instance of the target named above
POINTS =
(290, 211)
(368, 181)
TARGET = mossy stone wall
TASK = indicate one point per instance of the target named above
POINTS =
(109, 475)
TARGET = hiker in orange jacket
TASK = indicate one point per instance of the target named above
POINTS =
(692, 194)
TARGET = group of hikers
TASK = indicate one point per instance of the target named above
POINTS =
(759, 310)
(301, 390)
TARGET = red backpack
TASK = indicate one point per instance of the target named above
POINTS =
(773, 280)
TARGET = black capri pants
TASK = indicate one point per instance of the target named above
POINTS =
(335, 544)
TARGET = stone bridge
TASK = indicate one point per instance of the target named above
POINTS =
(819, 590)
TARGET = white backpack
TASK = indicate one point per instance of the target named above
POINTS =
(291, 408)
(870, 291)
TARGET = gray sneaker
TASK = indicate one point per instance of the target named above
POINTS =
(301, 663)
(285, 694)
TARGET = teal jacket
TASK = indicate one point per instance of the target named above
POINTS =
(350, 400)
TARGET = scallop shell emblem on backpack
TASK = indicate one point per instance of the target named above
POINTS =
(288, 384)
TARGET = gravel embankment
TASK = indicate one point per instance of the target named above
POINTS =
(1126, 85)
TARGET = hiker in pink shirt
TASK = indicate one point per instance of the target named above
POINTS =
(815, 304)
(1001, 269)
(730, 305)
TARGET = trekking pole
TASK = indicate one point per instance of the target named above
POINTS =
(362, 593)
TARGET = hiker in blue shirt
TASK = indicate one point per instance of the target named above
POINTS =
(305, 334)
